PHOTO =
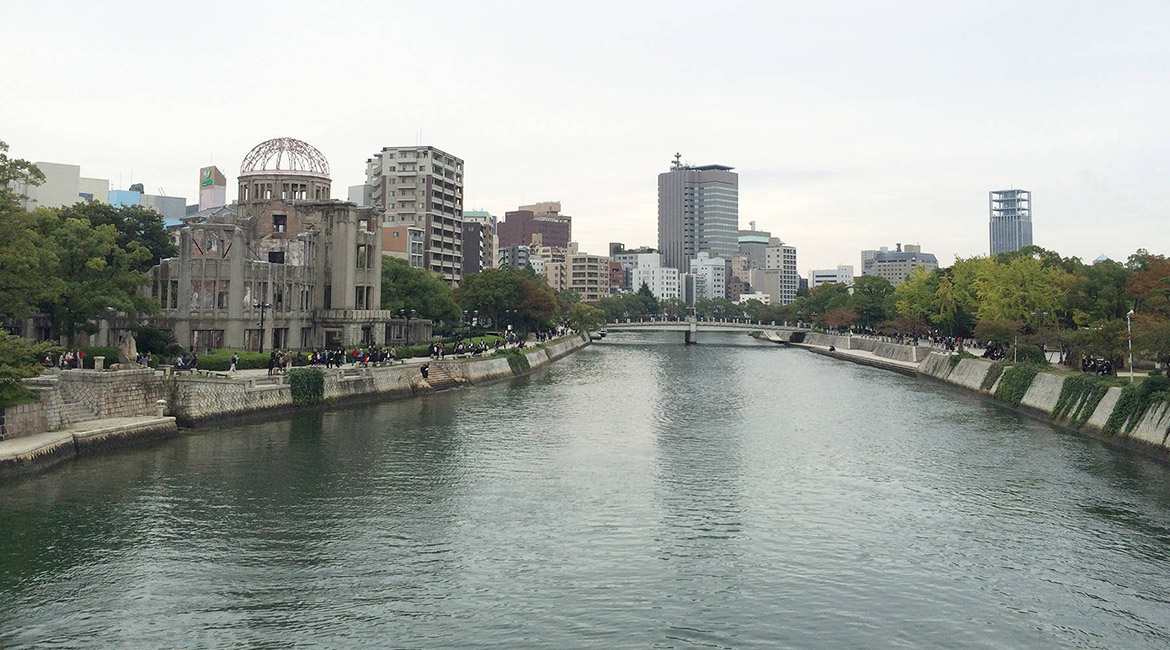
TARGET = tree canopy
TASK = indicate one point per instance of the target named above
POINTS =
(425, 292)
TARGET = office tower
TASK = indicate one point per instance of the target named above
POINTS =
(544, 219)
(698, 211)
(843, 274)
(897, 265)
(421, 187)
(1011, 220)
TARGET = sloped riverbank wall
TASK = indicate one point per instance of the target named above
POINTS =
(1043, 397)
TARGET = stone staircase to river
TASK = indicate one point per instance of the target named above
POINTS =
(439, 378)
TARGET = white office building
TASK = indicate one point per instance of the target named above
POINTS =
(647, 268)
(710, 276)
(63, 186)
(843, 274)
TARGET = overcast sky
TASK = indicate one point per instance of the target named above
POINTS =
(852, 124)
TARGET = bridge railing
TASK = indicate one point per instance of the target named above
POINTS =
(738, 322)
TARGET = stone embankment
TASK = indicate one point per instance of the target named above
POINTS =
(81, 412)
(199, 399)
(1047, 395)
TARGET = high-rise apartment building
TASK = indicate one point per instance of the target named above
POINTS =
(698, 211)
(479, 242)
(490, 244)
(1011, 220)
(782, 257)
(421, 187)
(584, 274)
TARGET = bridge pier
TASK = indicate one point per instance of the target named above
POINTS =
(690, 336)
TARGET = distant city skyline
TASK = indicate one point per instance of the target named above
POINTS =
(848, 124)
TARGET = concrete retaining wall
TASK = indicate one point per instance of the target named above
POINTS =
(884, 349)
(196, 400)
(1043, 393)
(113, 438)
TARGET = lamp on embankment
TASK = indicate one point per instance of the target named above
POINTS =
(261, 306)
(407, 314)
(1129, 331)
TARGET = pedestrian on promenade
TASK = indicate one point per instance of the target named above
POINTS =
(234, 360)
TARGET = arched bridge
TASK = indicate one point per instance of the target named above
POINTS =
(691, 326)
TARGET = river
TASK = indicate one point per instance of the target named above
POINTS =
(638, 493)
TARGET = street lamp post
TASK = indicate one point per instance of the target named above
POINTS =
(261, 306)
(1129, 331)
(407, 314)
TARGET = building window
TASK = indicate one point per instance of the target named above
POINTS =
(279, 223)
(359, 298)
(363, 256)
(276, 257)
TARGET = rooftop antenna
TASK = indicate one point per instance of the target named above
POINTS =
(676, 164)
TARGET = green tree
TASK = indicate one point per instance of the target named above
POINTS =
(492, 292)
(752, 309)
(585, 318)
(96, 276)
(20, 360)
(1151, 338)
(1106, 339)
(1150, 286)
(538, 303)
(997, 331)
(1017, 290)
(649, 302)
(410, 288)
(27, 259)
(872, 300)
(916, 295)
(673, 307)
(134, 224)
(839, 318)
(1095, 292)
(824, 299)
(946, 305)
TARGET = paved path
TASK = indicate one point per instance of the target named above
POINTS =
(27, 446)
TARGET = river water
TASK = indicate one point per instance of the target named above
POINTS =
(636, 494)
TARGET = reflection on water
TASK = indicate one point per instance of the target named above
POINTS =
(637, 494)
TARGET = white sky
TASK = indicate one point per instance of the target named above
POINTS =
(852, 124)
